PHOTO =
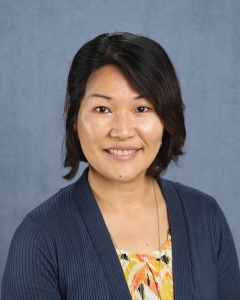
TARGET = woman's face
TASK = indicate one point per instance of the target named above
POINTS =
(119, 131)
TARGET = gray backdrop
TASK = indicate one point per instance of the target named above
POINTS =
(38, 41)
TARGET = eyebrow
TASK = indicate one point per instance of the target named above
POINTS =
(109, 98)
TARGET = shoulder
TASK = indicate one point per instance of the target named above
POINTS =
(189, 195)
(200, 211)
(59, 203)
(49, 214)
(38, 242)
(51, 218)
(197, 206)
(44, 228)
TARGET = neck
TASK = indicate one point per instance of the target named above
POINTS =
(119, 195)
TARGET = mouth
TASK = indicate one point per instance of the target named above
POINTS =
(121, 152)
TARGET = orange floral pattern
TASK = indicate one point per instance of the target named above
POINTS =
(149, 274)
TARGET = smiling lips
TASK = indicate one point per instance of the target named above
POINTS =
(121, 152)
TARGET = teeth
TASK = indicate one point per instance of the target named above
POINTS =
(121, 152)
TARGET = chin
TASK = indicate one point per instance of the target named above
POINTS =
(117, 175)
(125, 177)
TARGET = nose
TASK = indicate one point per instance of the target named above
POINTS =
(122, 127)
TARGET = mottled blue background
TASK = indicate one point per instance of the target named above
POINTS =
(38, 41)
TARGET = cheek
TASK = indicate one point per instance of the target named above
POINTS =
(85, 131)
(153, 129)
(89, 131)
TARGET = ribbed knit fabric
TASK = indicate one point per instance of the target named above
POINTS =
(62, 250)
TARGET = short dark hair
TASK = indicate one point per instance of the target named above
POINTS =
(150, 71)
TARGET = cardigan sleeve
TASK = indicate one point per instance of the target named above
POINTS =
(228, 274)
(30, 271)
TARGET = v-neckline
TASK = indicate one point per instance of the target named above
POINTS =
(91, 214)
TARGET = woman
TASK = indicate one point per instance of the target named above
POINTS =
(121, 231)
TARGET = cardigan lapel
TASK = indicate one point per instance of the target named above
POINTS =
(101, 239)
(183, 279)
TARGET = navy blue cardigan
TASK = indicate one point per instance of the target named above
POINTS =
(62, 250)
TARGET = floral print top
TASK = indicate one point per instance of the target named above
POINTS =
(151, 276)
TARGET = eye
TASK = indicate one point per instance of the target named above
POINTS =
(142, 109)
(102, 109)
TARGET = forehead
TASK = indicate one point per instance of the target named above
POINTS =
(110, 80)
